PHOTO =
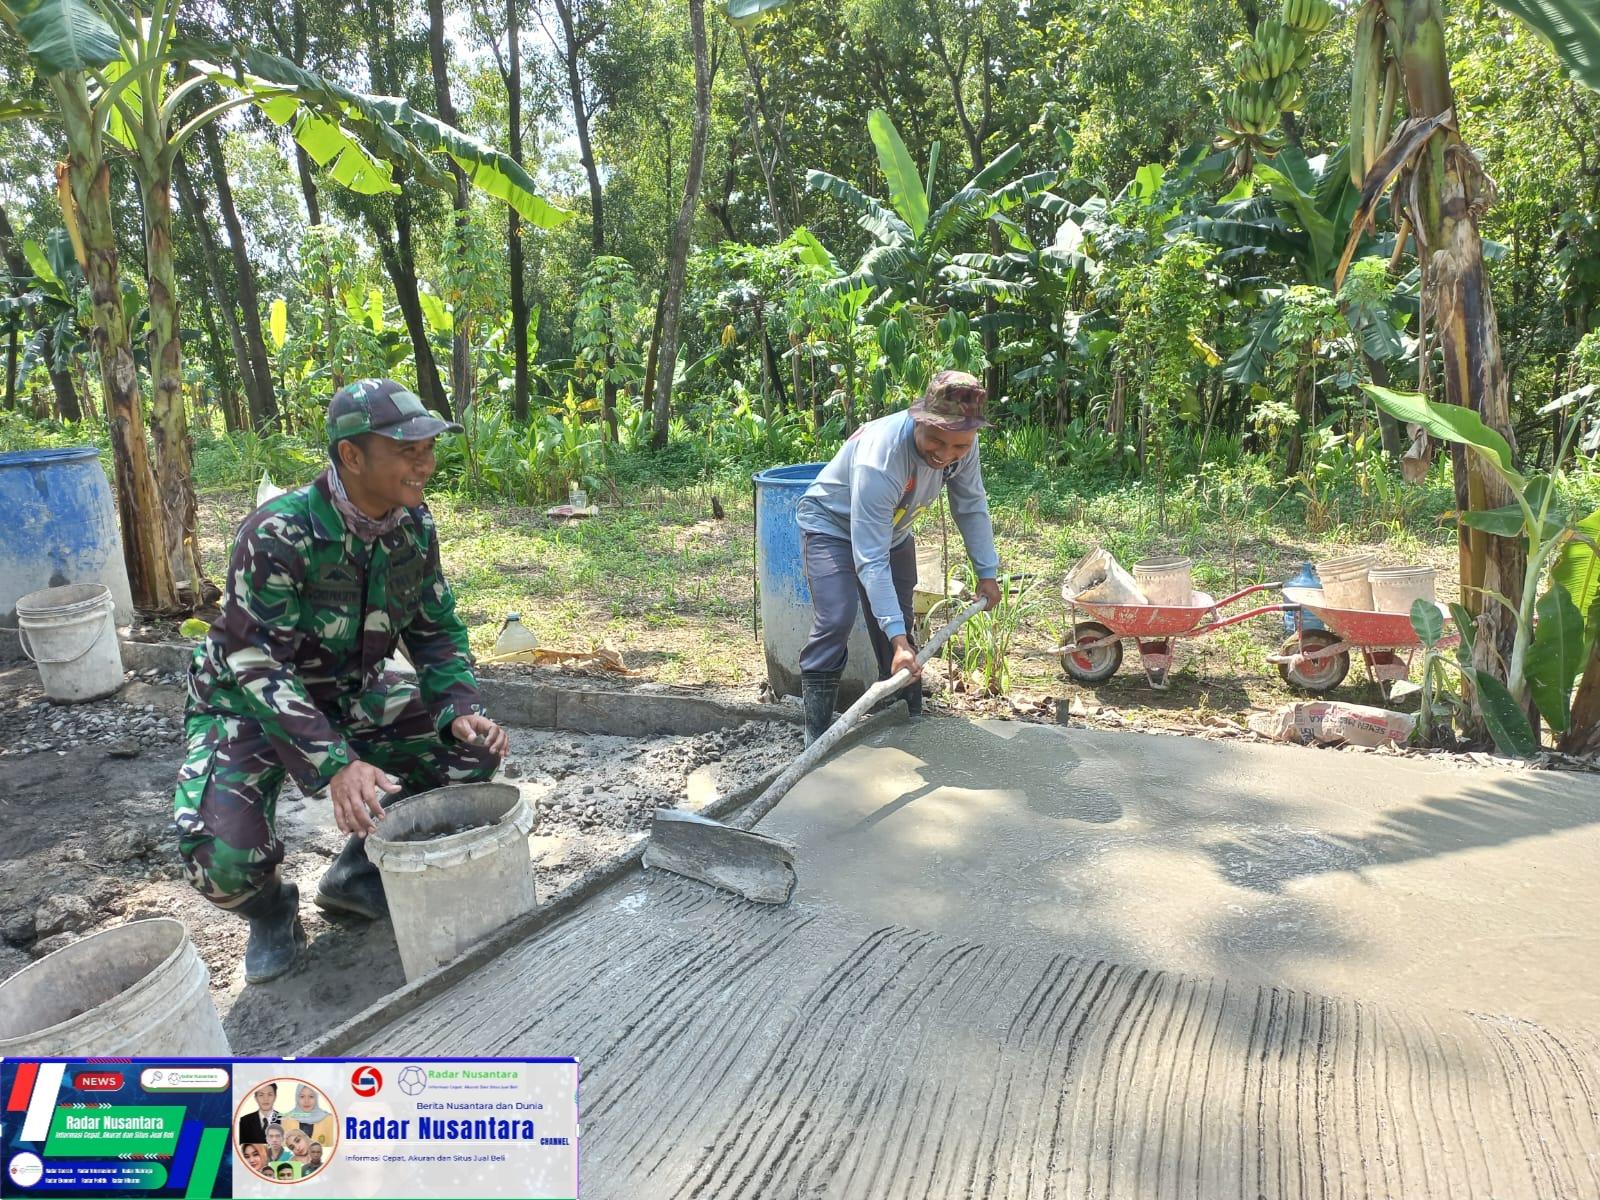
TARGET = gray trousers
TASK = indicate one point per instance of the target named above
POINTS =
(836, 594)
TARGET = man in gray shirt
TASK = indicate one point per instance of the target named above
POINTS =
(856, 521)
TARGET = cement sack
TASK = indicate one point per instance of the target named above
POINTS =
(1331, 723)
(1100, 579)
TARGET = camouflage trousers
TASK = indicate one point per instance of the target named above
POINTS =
(225, 807)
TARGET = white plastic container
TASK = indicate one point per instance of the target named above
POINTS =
(138, 989)
(1395, 588)
(1345, 583)
(455, 868)
(71, 635)
(1166, 579)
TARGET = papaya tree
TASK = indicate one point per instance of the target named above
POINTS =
(124, 78)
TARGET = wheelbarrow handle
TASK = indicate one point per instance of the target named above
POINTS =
(1251, 590)
(814, 753)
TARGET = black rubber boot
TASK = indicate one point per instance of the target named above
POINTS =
(819, 690)
(913, 698)
(352, 884)
(276, 934)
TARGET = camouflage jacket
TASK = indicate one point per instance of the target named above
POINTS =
(309, 617)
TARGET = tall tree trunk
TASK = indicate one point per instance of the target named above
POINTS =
(515, 263)
(1451, 254)
(67, 403)
(169, 424)
(138, 504)
(221, 365)
(755, 112)
(571, 56)
(678, 261)
(653, 358)
(461, 338)
(394, 244)
(263, 398)
(17, 266)
(194, 206)
(1394, 438)
(302, 161)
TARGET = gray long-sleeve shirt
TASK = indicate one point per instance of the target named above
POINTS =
(873, 490)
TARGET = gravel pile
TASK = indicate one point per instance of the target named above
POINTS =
(32, 724)
(619, 782)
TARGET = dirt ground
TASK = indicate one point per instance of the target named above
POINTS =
(86, 841)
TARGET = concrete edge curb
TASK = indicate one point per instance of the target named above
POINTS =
(413, 995)
(532, 705)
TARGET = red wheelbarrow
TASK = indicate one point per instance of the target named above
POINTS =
(1095, 652)
(1319, 659)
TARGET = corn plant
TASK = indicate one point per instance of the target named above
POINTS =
(981, 651)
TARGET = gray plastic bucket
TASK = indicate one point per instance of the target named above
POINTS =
(448, 891)
(138, 989)
(70, 633)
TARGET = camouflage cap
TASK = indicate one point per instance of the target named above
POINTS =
(382, 406)
(953, 401)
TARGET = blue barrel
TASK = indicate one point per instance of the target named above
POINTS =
(785, 595)
(60, 528)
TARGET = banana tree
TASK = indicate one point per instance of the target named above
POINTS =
(915, 243)
(125, 78)
(47, 306)
(1554, 633)
(1438, 190)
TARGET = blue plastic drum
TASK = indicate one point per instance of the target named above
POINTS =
(60, 528)
(785, 595)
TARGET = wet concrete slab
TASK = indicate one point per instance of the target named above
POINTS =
(1358, 875)
(1026, 961)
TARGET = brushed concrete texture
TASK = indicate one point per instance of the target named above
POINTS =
(1026, 962)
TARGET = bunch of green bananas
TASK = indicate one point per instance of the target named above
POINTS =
(1374, 91)
(1268, 66)
(1307, 16)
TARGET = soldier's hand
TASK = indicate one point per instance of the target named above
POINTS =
(905, 657)
(480, 731)
(357, 793)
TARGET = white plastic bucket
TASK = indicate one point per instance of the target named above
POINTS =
(447, 891)
(1394, 588)
(137, 989)
(1165, 579)
(1345, 583)
(71, 635)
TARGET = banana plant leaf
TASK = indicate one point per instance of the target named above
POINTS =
(746, 12)
(1450, 423)
(1571, 28)
(1577, 572)
(1506, 722)
(905, 185)
(68, 35)
(1557, 655)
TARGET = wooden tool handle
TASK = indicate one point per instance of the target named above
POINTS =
(813, 753)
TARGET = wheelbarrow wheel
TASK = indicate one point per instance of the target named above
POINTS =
(1095, 665)
(1314, 674)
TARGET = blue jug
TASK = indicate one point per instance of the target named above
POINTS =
(1305, 578)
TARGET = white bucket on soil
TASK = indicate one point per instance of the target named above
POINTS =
(1345, 583)
(138, 989)
(455, 868)
(71, 635)
(1394, 588)
(1165, 579)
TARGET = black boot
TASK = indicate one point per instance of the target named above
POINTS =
(819, 690)
(913, 696)
(352, 884)
(276, 934)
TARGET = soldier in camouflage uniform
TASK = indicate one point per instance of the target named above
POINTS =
(325, 582)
